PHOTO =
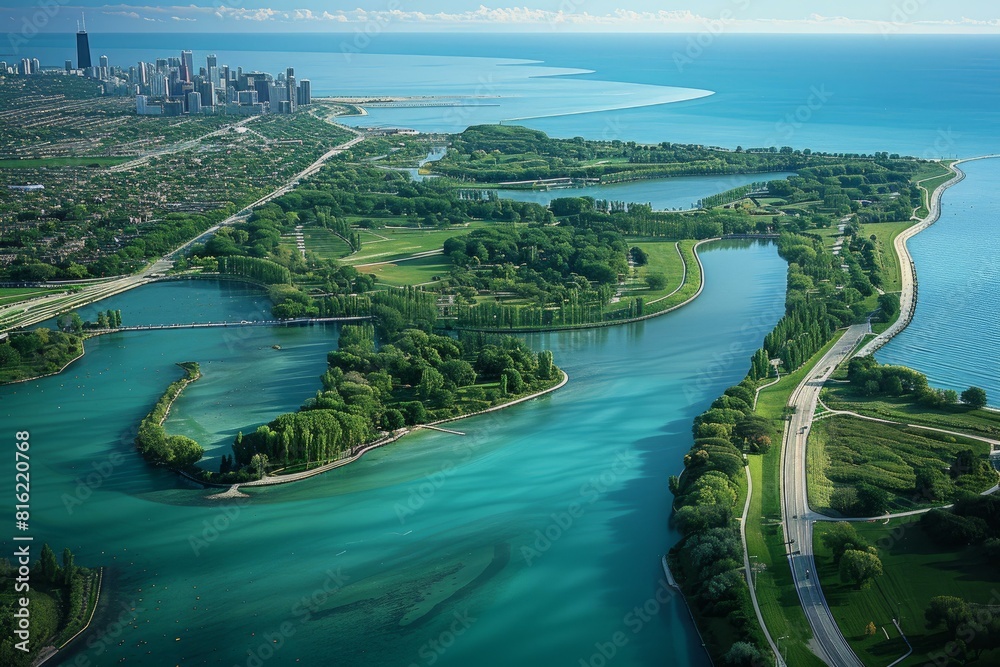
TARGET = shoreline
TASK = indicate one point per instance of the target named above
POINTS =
(908, 269)
(387, 440)
(83, 351)
(631, 320)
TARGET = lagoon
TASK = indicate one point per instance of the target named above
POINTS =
(682, 192)
(373, 562)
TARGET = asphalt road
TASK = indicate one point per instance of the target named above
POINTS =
(828, 642)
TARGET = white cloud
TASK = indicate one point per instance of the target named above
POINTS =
(622, 19)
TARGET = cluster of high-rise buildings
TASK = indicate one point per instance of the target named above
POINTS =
(172, 86)
(175, 87)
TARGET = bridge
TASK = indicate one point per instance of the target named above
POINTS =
(299, 321)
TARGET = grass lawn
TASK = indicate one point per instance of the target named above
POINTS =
(663, 259)
(35, 163)
(776, 595)
(325, 243)
(386, 245)
(413, 272)
(885, 234)
(845, 451)
(691, 285)
(902, 409)
(931, 176)
(915, 570)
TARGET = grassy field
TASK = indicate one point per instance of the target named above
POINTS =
(386, 245)
(902, 409)
(325, 243)
(776, 593)
(413, 272)
(663, 259)
(931, 176)
(915, 570)
(691, 285)
(846, 451)
(885, 234)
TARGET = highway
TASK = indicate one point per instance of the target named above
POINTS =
(828, 642)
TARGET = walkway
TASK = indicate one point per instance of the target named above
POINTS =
(908, 295)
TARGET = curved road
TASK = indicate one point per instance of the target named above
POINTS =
(828, 642)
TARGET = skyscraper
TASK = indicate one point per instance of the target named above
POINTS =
(194, 103)
(187, 66)
(305, 92)
(83, 48)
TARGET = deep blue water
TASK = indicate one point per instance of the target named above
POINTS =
(954, 337)
(928, 96)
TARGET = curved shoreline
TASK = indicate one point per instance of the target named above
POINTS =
(630, 320)
(908, 270)
(387, 440)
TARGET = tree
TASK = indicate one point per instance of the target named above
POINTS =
(431, 380)
(870, 629)
(872, 500)
(514, 382)
(258, 463)
(974, 397)
(393, 420)
(459, 372)
(947, 610)
(964, 464)
(48, 567)
(183, 451)
(545, 368)
(859, 567)
(843, 537)
(845, 500)
(743, 654)
(656, 281)
(8, 356)
(70, 322)
(69, 568)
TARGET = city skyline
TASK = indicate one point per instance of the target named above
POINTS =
(735, 16)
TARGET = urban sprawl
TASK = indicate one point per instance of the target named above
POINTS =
(172, 87)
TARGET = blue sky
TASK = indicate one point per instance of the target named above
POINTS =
(751, 16)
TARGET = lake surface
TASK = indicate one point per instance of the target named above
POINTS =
(384, 562)
(682, 192)
(436, 534)
(825, 92)
(954, 337)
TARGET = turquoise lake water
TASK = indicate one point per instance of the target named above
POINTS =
(396, 545)
(682, 192)
(954, 337)
(389, 550)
